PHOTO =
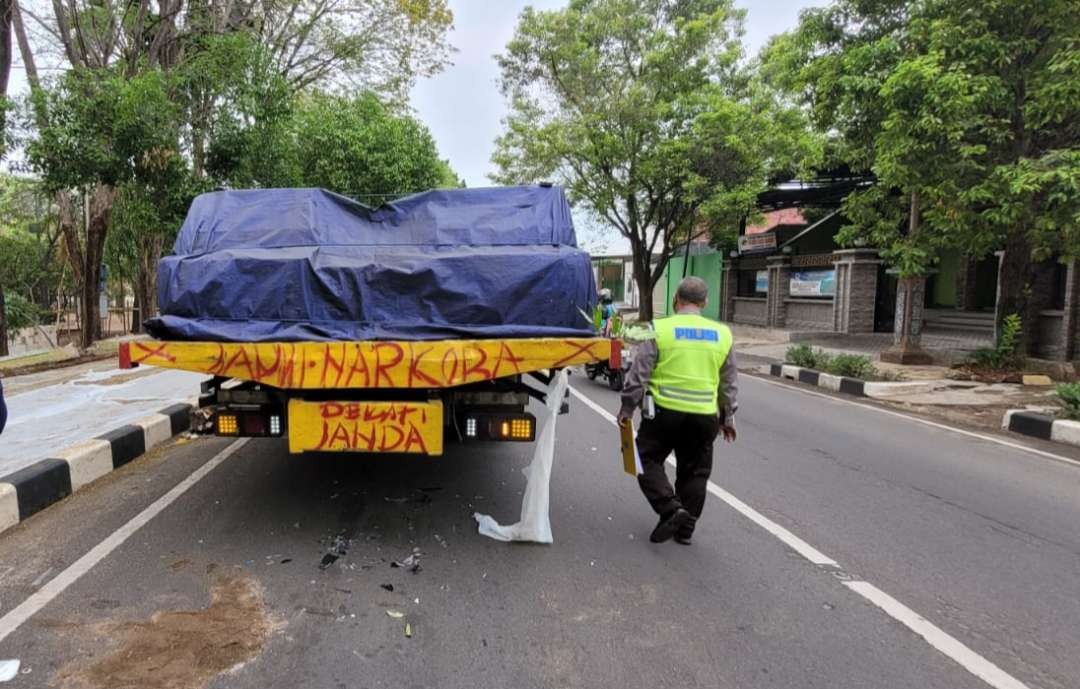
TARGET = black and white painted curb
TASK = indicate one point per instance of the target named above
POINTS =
(1043, 426)
(39, 485)
(851, 386)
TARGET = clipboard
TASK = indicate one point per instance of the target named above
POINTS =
(630, 458)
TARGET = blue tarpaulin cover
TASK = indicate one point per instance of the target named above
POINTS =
(306, 264)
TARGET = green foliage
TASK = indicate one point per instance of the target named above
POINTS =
(805, 356)
(1068, 395)
(28, 263)
(852, 366)
(355, 146)
(1004, 356)
(848, 365)
(957, 102)
(20, 312)
(102, 128)
(643, 111)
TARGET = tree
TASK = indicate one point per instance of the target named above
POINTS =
(641, 109)
(354, 146)
(101, 130)
(28, 272)
(967, 112)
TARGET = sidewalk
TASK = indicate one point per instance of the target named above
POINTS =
(962, 402)
(51, 410)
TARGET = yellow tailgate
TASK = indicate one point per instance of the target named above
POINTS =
(403, 427)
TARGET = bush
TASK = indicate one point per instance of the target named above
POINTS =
(804, 356)
(852, 366)
(1069, 396)
(1002, 357)
(848, 365)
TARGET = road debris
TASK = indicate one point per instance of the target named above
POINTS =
(408, 630)
(411, 563)
(338, 548)
(8, 670)
(394, 614)
(388, 587)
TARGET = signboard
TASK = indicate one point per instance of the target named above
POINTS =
(757, 243)
(761, 283)
(813, 283)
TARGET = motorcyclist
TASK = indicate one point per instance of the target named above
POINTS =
(607, 312)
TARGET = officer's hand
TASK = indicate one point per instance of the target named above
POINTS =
(625, 417)
(728, 432)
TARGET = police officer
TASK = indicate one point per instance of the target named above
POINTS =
(689, 372)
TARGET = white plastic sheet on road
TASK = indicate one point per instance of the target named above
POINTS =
(48, 419)
(535, 524)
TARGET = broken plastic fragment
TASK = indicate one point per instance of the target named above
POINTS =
(8, 670)
(408, 630)
(411, 563)
(395, 614)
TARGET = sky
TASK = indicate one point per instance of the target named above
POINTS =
(462, 105)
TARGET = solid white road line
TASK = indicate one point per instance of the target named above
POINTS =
(936, 637)
(791, 540)
(970, 660)
(925, 422)
(42, 597)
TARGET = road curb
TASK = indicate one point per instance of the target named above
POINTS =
(848, 386)
(1042, 426)
(47, 481)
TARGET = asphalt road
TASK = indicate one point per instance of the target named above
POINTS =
(230, 582)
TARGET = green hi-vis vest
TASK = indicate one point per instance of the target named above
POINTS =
(691, 349)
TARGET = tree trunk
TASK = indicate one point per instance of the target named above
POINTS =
(3, 324)
(136, 310)
(1015, 281)
(910, 292)
(645, 294)
(97, 227)
(146, 280)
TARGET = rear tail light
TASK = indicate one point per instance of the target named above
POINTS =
(249, 424)
(507, 427)
(228, 424)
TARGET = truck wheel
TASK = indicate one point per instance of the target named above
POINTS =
(591, 372)
(615, 381)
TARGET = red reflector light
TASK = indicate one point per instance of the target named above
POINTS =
(254, 424)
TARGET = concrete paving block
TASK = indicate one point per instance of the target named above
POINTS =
(1037, 380)
(89, 461)
(1065, 431)
(1031, 423)
(887, 390)
(789, 371)
(9, 506)
(829, 382)
(1007, 418)
(158, 429)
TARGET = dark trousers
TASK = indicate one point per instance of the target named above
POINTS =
(691, 437)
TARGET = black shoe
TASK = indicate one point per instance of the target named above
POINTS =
(669, 525)
(683, 535)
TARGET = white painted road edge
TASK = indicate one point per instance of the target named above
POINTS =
(936, 637)
(925, 422)
(43, 596)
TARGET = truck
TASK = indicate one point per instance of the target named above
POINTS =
(398, 329)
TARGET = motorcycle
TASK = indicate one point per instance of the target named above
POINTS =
(614, 377)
